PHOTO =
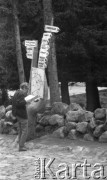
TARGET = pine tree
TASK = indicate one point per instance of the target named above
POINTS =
(83, 27)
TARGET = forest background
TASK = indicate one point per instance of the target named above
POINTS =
(80, 46)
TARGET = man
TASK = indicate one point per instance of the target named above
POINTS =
(20, 112)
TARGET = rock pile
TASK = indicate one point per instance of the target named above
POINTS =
(8, 125)
(74, 122)
(62, 121)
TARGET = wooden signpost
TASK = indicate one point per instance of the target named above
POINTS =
(32, 53)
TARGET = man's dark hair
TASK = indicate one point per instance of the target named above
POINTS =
(23, 85)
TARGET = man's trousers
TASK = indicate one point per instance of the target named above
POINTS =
(22, 131)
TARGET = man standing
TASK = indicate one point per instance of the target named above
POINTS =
(20, 112)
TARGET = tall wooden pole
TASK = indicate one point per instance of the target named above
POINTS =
(52, 64)
(34, 63)
(18, 43)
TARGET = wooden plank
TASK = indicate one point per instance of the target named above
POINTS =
(34, 63)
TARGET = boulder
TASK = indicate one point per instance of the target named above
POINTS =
(2, 112)
(8, 108)
(99, 122)
(89, 116)
(74, 107)
(56, 119)
(98, 131)
(13, 132)
(47, 110)
(105, 126)
(100, 113)
(48, 129)
(72, 134)
(82, 127)
(88, 137)
(7, 127)
(75, 116)
(92, 124)
(44, 121)
(59, 108)
(38, 117)
(8, 116)
(39, 128)
(70, 126)
(16, 126)
(60, 121)
(103, 137)
(59, 133)
(2, 125)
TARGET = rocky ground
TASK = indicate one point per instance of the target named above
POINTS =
(16, 165)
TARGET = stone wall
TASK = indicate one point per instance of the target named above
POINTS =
(8, 124)
(74, 123)
(62, 121)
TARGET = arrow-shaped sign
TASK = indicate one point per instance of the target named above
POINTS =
(49, 28)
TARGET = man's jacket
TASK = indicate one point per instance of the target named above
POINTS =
(19, 105)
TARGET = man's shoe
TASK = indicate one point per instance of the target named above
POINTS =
(22, 149)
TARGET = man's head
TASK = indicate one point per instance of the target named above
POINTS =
(24, 87)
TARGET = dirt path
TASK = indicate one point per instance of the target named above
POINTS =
(16, 165)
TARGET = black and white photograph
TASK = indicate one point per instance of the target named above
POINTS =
(53, 89)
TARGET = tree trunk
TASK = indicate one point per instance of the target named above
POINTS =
(65, 91)
(18, 43)
(52, 64)
(92, 95)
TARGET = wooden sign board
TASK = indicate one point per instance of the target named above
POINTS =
(53, 29)
(33, 43)
(29, 55)
(37, 82)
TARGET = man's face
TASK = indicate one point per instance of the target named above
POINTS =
(25, 90)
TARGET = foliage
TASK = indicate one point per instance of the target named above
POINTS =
(31, 27)
(82, 43)
(29, 13)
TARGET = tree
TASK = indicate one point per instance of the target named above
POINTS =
(29, 16)
(7, 50)
(81, 42)
(31, 27)
(18, 42)
(52, 64)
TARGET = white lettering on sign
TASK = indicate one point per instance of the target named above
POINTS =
(51, 28)
(49, 35)
(45, 38)
(41, 65)
(41, 59)
(45, 46)
(29, 49)
(42, 54)
(29, 56)
(44, 43)
(43, 50)
(32, 43)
